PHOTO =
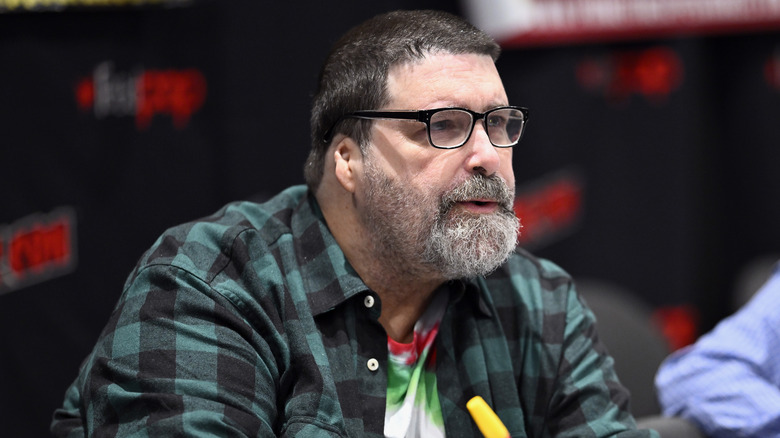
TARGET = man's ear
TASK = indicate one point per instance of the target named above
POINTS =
(349, 162)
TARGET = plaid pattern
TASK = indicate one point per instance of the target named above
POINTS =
(252, 323)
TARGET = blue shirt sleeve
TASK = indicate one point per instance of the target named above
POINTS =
(728, 382)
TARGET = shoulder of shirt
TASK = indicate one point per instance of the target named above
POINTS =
(524, 268)
(522, 283)
(201, 245)
(525, 292)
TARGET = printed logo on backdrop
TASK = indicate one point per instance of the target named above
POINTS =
(549, 208)
(653, 73)
(142, 94)
(58, 5)
(37, 248)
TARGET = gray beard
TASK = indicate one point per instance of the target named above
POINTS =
(420, 234)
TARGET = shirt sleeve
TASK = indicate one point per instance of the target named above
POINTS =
(178, 357)
(589, 400)
(728, 382)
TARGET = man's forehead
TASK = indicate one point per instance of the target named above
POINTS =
(445, 59)
(446, 79)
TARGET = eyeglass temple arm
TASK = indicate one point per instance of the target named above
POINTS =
(404, 115)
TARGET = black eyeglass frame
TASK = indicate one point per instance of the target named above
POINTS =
(424, 116)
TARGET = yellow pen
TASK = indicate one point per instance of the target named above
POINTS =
(487, 420)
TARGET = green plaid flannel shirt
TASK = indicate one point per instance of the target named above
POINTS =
(251, 322)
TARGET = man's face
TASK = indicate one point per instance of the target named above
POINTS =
(431, 210)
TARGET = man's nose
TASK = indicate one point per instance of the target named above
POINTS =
(483, 156)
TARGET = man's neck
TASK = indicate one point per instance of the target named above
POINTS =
(405, 293)
(404, 297)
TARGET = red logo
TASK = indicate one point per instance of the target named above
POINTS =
(142, 94)
(549, 209)
(678, 324)
(772, 70)
(653, 73)
(37, 248)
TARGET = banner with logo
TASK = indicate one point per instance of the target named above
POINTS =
(648, 164)
(527, 23)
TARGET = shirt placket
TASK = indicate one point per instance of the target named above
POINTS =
(372, 363)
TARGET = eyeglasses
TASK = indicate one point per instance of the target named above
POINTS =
(450, 128)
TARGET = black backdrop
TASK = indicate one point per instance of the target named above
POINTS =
(649, 164)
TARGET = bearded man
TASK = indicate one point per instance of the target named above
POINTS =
(378, 299)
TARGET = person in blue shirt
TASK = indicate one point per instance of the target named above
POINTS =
(728, 382)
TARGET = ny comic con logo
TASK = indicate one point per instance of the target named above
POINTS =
(653, 73)
(142, 94)
(37, 248)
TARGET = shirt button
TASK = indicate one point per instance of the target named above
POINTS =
(372, 364)
(368, 301)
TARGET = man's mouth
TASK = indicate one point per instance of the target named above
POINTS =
(480, 206)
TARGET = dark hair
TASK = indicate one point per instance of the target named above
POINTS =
(354, 76)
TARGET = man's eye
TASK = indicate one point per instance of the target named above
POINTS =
(495, 120)
(441, 125)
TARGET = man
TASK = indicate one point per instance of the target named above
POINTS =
(728, 382)
(374, 302)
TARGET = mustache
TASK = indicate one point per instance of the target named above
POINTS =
(491, 188)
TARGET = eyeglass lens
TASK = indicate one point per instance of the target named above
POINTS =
(451, 128)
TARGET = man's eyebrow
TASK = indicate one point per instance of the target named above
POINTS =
(496, 104)
(487, 107)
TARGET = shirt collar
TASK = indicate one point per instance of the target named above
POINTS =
(331, 278)
(475, 291)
